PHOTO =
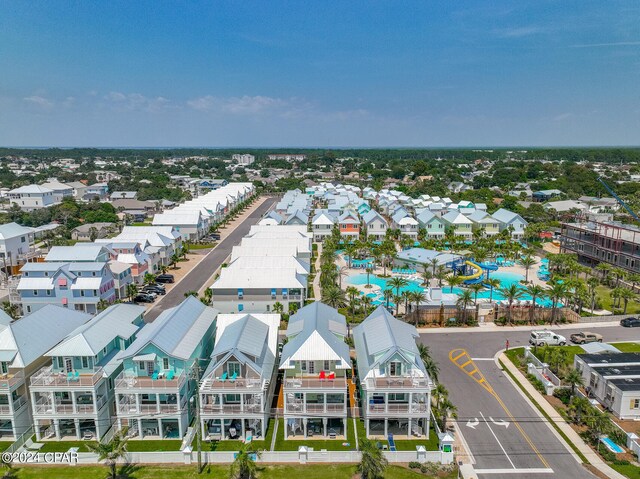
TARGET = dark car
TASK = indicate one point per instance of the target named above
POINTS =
(154, 289)
(143, 298)
(630, 322)
(165, 278)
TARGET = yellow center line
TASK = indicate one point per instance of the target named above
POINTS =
(477, 376)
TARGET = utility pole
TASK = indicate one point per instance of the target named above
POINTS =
(195, 372)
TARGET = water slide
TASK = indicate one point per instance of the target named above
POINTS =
(476, 275)
(489, 266)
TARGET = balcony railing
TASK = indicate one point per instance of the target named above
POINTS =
(218, 408)
(131, 408)
(239, 383)
(8, 381)
(315, 408)
(315, 383)
(125, 381)
(398, 408)
(46, 407)
(398, 382)
(46, 377)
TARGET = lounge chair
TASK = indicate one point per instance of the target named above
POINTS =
(76, 376)
(70, 376)
(322, 375)
(234, 376)
(224, 377)
(154, 376)
(170, 375)
(332, 375)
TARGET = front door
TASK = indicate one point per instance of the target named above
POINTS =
(151, 366)
(68, 365)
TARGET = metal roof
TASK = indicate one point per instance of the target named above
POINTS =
(12, 230)
(78, 252)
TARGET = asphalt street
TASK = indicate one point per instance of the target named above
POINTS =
(194, 280)
(505, 434)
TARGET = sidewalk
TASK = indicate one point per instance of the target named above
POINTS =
(555, 416)
(493, 328)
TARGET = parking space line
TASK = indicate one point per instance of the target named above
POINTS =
(533, 470)
(497, 440)
(455, 355)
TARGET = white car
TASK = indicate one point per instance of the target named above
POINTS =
(549, 338)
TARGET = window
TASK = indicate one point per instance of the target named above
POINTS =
(141, 366)
(35, 292)
(48, 292)
(3, 367)
(303, 366)
(85, 362)
(311, 367)
(23, 239)
(326, 365)
(395, 368)
(232, 398)
(233, 367)
(165, 363)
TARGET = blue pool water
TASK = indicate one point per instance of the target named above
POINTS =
(359, 262)
(506, 278)
(612, 446)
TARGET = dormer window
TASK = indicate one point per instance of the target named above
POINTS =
(395, 368)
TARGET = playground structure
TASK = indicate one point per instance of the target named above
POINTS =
(478, 275)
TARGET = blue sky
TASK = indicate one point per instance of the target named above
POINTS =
(271, 73)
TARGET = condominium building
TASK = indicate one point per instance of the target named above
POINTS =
(243, 159)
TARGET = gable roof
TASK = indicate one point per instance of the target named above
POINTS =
(316, 332)
(11, 230)
(456, 218)
(372, 215)
(506, 216)
(322, 219)
(177, 331)
(77, 252)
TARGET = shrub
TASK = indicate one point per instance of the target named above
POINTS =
(621, 462)
(536, 383)
(430, 468)
(564, 394)
(607, 455)
(415, 465)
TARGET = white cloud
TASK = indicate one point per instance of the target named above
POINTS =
(612, 44)
(241, 105)
(136, 102)
(519, 32)
(39, 101)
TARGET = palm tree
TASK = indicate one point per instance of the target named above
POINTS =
(604, 268)
(440, 275)
(352, 294)
(132, 291)
(535, 291)
(372, 462)
(397, 283)
(368, 271)
(102, 304)
(453, 280)
(619, 273)
(464, 300)
(615, 296)
(592, 284)
(511, 294)
(493, 284)
(397, 299)
(527, 262)
(434, 265)
(573, 378)
(387, 294)
(149, 278)
(626, 294)
(277, 307)
(350, 250)
(343, 271)
(429, 364)
(578, 407)
(174, 260)
(110, 452)
(334, 297)
(244, 465)
(556, 292)
(417, 297)
(635, 279)
(366, 305)
(191, 292)
(476, 288)
(426, 276)
(12, 310)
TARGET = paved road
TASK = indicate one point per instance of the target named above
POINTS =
(505, 435)
(194, 280)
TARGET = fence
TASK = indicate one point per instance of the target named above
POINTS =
(541, 371)
(300, 457)
(603, 319)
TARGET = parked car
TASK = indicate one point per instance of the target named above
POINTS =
(155, 285)
(586, 337)
(542, 338)
(630, 322)
(143, 298)
(165, 278)
(155, 290)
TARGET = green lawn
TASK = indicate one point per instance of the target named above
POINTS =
(629, 470)
(4, 445)
(604, 298)
(145, 445)
(201, 246)
(410, 444)
(570, 350)
(64, 446)
(233, 445)
(627, 347)
(308, 471)
(328, 444)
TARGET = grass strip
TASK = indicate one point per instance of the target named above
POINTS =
(539, 408)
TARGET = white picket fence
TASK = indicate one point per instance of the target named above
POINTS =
(541, 371)
(272, 457)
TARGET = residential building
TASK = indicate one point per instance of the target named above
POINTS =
(92, 231)
(156, 383)
(22, 345)
(407, 225)
(395, 386)
(97, 190)
(79, 253)
(565, 206)
(349, 225)
(433, 224)
(543, 196)
(122, 278)
(315, 362)
(511, 221)
(131, 253)
(190, 225)
(237, 388)
(123, 195)
(297, 218)
(459, 224)
(375, 225)
(71, 398)
(485, 223)
(32, 197)
(613, 378)
(79, 286)
(244, 159)
(614, 243)
(16, 244)
(60, 190)
(321, 227)
(287, 157)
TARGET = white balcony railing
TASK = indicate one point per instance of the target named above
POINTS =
(46, 377)
(127, 381)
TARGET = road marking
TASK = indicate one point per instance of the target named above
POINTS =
(497, 440)
(483, 359)
(473, 424)
(500, 423)
(461, 354)
(532, 470)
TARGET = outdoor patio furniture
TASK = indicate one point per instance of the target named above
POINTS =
(234, 376)
(33, 446)
(154, 376)
(87, 436)
(170, 375)
(224, 377)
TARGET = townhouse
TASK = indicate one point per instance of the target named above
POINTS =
(315, 363)
(395, 386)
(132, 254)
(511, 221)
(485, 223)
(349, 225)
(157, 381)
(459, 224)
(16, 244)
(79, 286)
(72, 397)
(60, 190)
(32, 197)
(432, 224)
(92, 231)
(190, 225)
(322, 226)
(237, 388)
(404, 222)
(376, 226)
(22, 345)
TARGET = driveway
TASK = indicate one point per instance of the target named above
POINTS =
(199, 275)
(504, 433)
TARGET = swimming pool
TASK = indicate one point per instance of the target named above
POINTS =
(507, 278)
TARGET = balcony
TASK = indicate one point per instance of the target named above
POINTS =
(226, 385)
(9, 381)
(5, 409)
(217, 408)
(298, 407)
(162, 408)
(398, 408)
(398, 383)
(126, 381)
(43, 406)
(48, 378)
(315, 383)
